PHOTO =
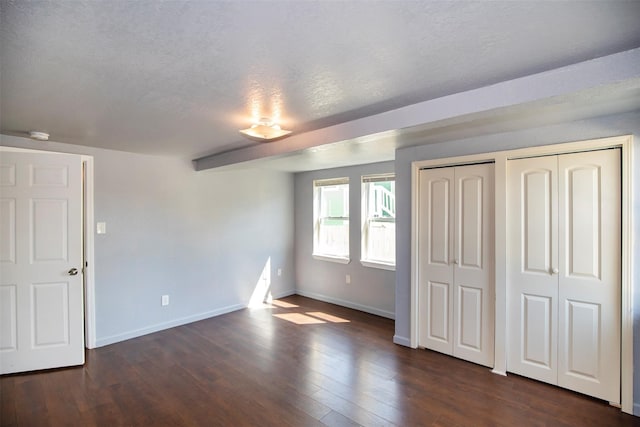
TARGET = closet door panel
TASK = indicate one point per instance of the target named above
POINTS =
(589, 282)
(473, 288)
(470, 219)
(436, 264)
(536, 320)
(532, 267)
(469, 320)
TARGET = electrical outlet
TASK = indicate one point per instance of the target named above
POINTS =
(101, 228)
(348, 279)
(279, 272)
(165, 300)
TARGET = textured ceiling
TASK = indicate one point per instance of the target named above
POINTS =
(181, 78)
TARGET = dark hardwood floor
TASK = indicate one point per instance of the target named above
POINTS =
(298, 363)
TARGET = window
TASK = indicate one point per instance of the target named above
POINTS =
(379, 221)
(331, 219)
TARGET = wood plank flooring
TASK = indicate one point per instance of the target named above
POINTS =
(299, 362)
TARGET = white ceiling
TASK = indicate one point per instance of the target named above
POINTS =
(181, 78)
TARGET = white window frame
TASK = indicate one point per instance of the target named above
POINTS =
(365, 260)
(317, 220)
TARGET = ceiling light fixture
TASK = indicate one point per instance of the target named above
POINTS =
(265, 129)
(39, 136)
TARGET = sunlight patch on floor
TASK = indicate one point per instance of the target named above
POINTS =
(283, 304)
(299, 318)
(310, 317)
(328, 317)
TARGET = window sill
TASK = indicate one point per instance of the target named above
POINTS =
(378, 264)
(340, 260)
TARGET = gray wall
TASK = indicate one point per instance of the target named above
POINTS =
(622, 124)
(371, 289)
(201, 237)
(169, 232)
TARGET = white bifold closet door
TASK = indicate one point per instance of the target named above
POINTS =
(456, 291)
(564, 271)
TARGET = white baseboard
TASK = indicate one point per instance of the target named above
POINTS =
(101, 342)
(283, 294)
(349, 304)
(499, 372)
(397, 339)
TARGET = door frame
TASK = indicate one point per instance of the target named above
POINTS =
(87, 240)
(501, 158)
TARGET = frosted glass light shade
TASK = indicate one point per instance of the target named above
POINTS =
(265, 129)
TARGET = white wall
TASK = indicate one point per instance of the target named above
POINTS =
(201, 237)
(371, 289)
(622, 124)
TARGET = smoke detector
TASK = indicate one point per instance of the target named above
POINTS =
(39, 136)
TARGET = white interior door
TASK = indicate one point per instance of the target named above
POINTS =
(41, 289)
(456, 267)
(436, 264)
(473, 290)
(564, 271)
(590, 273)
(533, 267)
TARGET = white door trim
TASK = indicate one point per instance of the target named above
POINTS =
(628, 251)
(89, 265)
(88, 242)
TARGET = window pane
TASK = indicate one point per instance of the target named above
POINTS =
(334, 201)
(333, 237)
(379, 213)
(382, 200)
(381, 242)
(331, 213)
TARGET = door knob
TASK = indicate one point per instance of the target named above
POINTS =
(554, 270)
(455, 261)
(73, 272)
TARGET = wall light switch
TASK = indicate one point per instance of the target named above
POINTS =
(101, 228)
(279, 272)
(165, 299)
(348, 279)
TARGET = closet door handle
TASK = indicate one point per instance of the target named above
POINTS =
(554, 271)
(455, 261)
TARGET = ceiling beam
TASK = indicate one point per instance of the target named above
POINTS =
(614, 70)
